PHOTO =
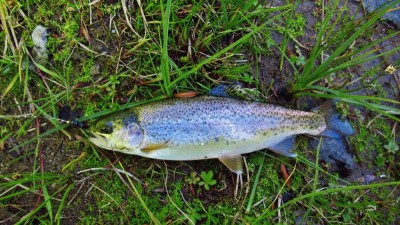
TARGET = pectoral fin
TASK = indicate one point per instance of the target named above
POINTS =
(153, 147)
(284, 147)
(234, 163)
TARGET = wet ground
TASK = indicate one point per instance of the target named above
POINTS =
(342, 157)
(57, 150)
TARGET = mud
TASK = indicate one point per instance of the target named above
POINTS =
(57, 150)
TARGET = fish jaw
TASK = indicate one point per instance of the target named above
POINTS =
(110, 144)
(100, 141)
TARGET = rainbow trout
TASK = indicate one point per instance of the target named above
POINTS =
(204, 128)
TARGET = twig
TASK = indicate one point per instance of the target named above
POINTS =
(41, 162)
(25, 116)
(9, 218)
(18, 105)
(285, 174)
(76, 193)
(127, 18)
(94, 2)
(115, 169)
(280, 190)
(143, 17)
(108, 195)
(170, 199)
(25, 188)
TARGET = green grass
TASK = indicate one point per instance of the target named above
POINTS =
(148, 51)
(344, 55)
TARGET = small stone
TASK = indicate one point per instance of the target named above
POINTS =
(95, 70)
(393, 15)
(334, 152)
(39, 38)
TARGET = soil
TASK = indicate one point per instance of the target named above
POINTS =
(57, 150)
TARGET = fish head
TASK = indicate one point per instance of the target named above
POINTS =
(121, 133)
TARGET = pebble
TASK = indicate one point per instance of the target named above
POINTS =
(95, 70)
(393, 16)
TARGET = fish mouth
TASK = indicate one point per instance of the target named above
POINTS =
(100, 140)
(103, 141)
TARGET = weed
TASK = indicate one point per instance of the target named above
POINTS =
(298, 60)
(148, 50)
(212, 215)
(192, 179)
(207, 179)
(392, 147)
(296, 25)
(194, 215)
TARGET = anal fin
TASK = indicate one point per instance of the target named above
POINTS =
(234, 163)
(284, 147)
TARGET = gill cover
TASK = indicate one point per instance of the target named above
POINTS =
(118, 132)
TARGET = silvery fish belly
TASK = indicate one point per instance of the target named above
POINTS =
(203, 128)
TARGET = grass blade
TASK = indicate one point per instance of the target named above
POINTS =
(268, 214)
(9, 86)
(225, 50)
(165, 68)
(335, 61)
(359, 100)
(47, 199)
(253, 190)
(138, 196)
(60, 208)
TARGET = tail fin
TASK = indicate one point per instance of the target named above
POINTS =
(336, 125)
(334, 148)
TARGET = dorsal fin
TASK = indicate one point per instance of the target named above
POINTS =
(221, 90)
(236, 90)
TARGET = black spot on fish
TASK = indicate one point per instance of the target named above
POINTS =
(216, 139)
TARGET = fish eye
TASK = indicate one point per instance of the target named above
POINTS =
(107, 128)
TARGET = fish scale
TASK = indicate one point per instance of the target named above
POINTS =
(205, 127)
